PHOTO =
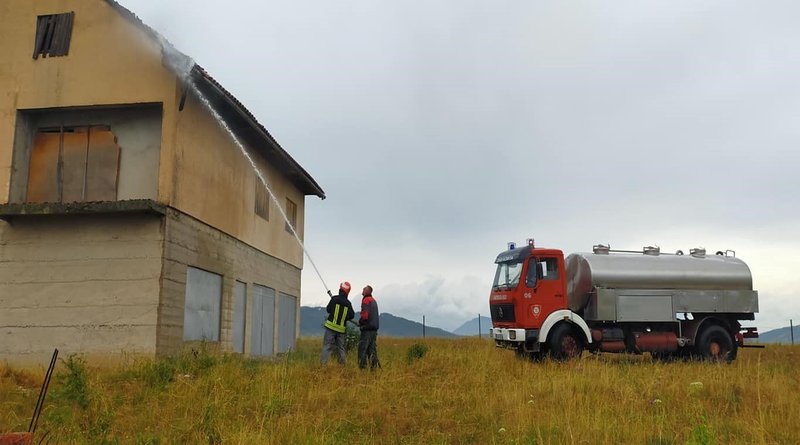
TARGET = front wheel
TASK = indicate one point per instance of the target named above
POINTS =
(716, 344)
(564, 343)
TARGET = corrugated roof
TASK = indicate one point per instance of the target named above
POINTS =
(236, 115)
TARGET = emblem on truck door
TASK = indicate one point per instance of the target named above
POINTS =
(536, 310)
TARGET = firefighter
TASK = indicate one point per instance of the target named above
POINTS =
(340, 311)
(369, 323)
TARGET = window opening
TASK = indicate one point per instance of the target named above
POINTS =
(291, 215)
(74, 164)
(262, 201)
(53, 35)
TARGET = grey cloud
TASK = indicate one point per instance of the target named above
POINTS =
(444, 129)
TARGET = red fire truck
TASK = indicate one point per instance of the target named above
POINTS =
(670, 305)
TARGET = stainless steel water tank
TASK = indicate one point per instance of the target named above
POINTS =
(585, 271)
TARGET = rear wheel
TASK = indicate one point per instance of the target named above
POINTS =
(716, 344)
(564, 343)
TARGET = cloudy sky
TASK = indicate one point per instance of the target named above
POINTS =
(440, 130)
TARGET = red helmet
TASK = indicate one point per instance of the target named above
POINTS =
(345, 286)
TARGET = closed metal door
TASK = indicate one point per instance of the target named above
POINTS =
(287, 322)
(263, 320)
(239, 307)
(201, 313)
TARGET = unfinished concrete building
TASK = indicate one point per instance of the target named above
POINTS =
(130, 221)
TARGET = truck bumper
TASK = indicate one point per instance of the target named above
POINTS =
(516, 338)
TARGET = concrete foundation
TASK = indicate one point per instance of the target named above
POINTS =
(109, 284)
(84, 283)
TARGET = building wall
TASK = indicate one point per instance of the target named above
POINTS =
(190, 242)
(79, 284)
(216, 184)
(97, 283)
(111, 62)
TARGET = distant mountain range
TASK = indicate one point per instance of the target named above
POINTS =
(780, 335)
(312, 318)
(472, 327)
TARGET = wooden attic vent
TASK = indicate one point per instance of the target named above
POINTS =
(53, 34)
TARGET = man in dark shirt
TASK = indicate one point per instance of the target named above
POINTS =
(369, 323)
(340, 311)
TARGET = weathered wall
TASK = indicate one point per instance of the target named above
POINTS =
(216, 184)
(79, 283)
(189, 242)
(138, 132)
(111, 62)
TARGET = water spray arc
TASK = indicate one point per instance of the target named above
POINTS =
(225, 127)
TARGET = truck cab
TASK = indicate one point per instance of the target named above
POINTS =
(528, 296)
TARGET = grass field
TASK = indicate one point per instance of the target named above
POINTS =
(458, 392)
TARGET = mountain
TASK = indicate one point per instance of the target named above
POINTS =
(471, 327)
(780, 335)
(312, 318)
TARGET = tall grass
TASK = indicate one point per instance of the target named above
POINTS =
(455, 392)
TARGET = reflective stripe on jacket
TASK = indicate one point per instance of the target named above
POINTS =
(339, 312)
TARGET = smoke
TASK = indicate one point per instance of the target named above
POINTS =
(179, 63)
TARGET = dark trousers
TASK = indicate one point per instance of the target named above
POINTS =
(368, 350)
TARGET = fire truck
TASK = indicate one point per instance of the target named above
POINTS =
(667, 304)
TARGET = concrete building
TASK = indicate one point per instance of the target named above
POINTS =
(130, 221)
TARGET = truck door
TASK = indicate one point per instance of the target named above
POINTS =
(543, 288)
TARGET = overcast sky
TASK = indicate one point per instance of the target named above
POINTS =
(440, 130)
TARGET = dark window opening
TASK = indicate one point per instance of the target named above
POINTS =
(262, 201)
(75, 164)
(53, 34)
(291, 215)
(541, 269)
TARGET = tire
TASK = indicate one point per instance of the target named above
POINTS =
(716, 344)
(564, 343)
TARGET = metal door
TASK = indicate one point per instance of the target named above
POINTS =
(202, 305)
(239, 307)
(287, 322)
(263, 321)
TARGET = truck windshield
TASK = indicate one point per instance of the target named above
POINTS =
(507, 276)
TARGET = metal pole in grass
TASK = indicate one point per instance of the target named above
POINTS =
(479, 327)
(791, 330)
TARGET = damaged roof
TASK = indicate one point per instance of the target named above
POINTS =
(240, 120)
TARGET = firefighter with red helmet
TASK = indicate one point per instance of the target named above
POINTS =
(340, 311)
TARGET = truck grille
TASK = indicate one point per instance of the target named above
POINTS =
(502, 312)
